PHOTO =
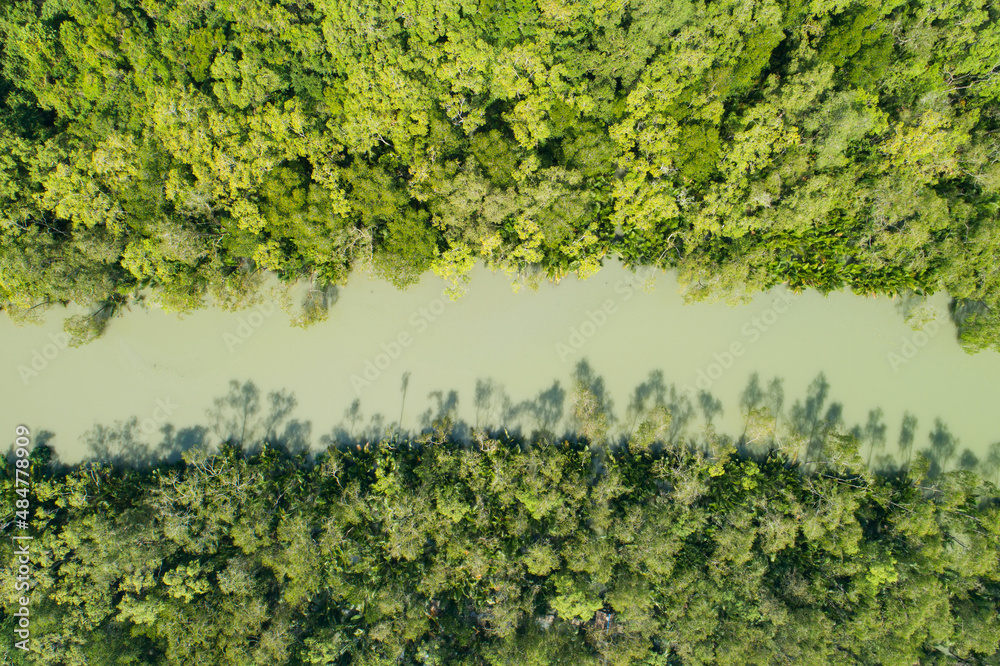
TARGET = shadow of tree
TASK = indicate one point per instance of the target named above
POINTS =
(655, 393)
(239, 417)
(445, 407)
(585, 377)
(542, 414)
(247, 418)
(907, 434)
(126, 443)
(809, 420)
(814, 417)
(873, 433)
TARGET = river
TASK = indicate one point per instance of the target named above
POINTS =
(386, 358)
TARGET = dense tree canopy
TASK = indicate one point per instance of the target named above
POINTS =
(509, 550)
(188, 146)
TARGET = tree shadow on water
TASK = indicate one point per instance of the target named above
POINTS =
(131, 443)
(544, 413)
(445, 407)
(814, 418)
(657, 414)
(354, 429)
(811, 430)
(655, 393)
(873, 434)
(494, 410)
(761, 409)
(41, 450)
(241, 417)
(585, 378)
(907, 435)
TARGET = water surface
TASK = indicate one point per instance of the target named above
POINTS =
(386, 357)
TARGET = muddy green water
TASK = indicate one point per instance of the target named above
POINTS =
(492, 358)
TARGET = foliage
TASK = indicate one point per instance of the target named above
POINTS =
(433, 551)
(175, 145)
